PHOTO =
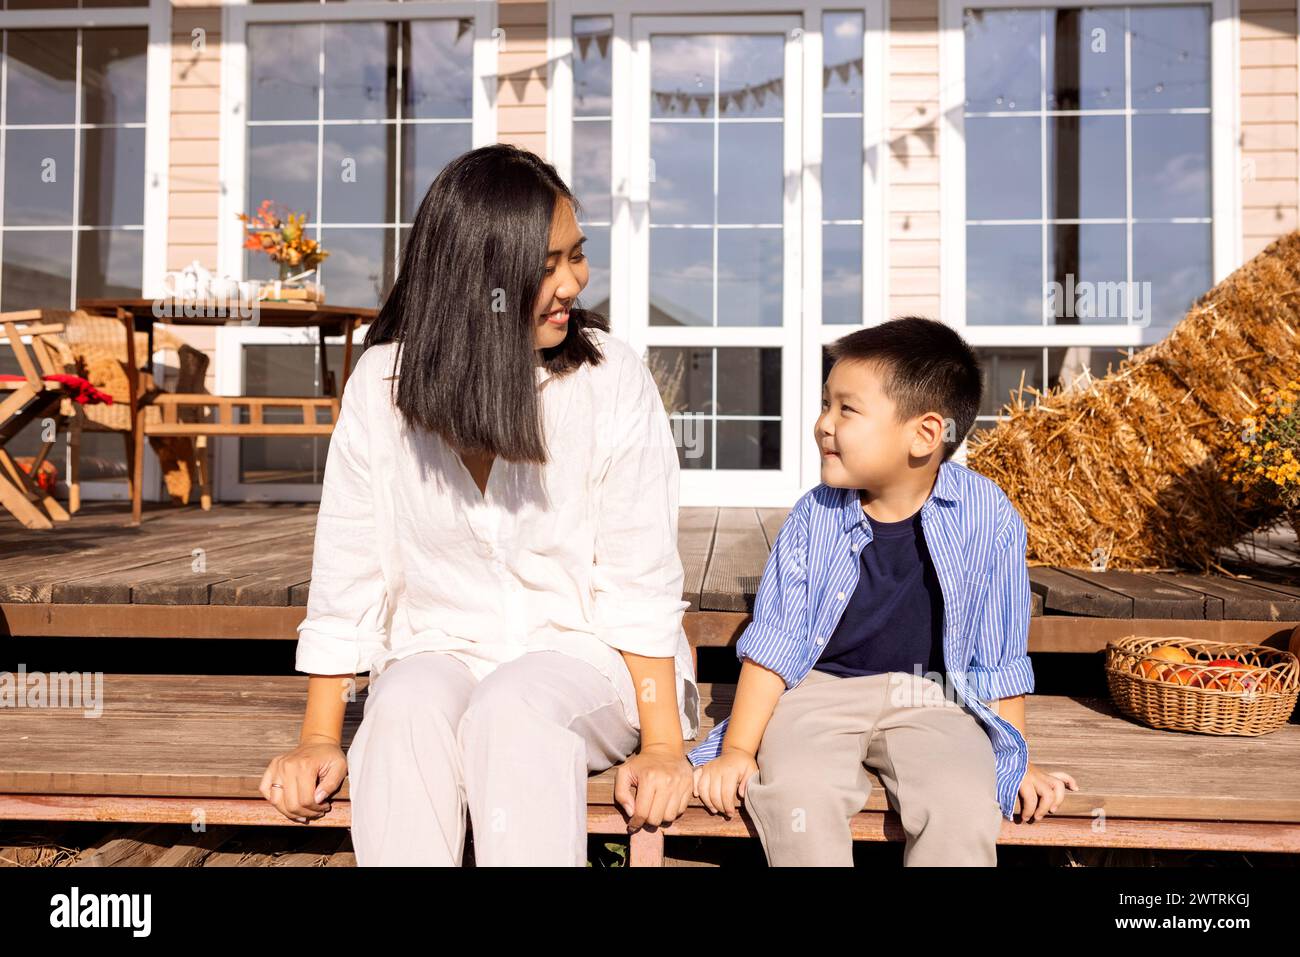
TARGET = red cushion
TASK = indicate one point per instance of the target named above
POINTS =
(83, 391)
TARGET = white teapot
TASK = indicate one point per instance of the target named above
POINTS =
(192, 282)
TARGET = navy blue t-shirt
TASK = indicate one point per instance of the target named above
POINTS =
(894, 619)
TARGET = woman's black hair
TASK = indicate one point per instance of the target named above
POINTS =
(461, 309)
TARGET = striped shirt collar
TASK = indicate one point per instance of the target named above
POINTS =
(947, 487)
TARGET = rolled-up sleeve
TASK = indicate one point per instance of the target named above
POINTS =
(1000, 666)
(637, 574)
(347, 601)
(776, 637)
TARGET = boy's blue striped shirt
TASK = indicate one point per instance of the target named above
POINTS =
(977, 542)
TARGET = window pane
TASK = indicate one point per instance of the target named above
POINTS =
(359, 269)
(37, 269)
(1065, 366)
(438, 80)
(109, 262)
(1175, 259)
(596, 294)
(747, 63)
(1085, 59)
(1171, 56)
(681, 277)
(749, 277)
(426, 149)
(1088, 266)
(750, 183)
(1002, 60)
(1171, 166)
(842, 35)
(112, 177)
(113, 75)
(42, 76)
(842, 168)
(684, 376)
(39, 172)
(681, 187)
(360, 74)
(592, 71)
(749, 444)
(591, 168)
(357, 175)
(284, 71)
(749, 381)
(1085, 167)
(681, 75)
(1003, 369)
(1004, 281)
(286, 370)
(1003, 175)
(842, 274)
(270, 177)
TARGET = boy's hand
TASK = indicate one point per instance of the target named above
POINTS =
(653, 787)
(718, 782)
(1041, 792)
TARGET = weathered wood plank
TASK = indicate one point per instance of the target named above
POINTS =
(739, 553)
(695, 528)
(1063, 594)
(1122, 767)
(1152, 597)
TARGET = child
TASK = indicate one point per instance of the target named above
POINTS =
(896, 587)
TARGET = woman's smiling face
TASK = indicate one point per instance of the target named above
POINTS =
(566, 276)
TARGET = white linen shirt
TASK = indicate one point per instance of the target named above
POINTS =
(577, 556)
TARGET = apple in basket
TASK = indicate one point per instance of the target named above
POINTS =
(1172, 653)
(1238, 683)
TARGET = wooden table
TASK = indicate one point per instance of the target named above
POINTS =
(142, 314)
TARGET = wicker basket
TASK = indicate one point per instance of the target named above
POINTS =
(1193, 696)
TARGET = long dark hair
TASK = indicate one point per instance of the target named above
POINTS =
(462, 306)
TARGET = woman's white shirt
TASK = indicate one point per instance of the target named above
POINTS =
(577, 556)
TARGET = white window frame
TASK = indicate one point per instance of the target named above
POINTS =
(156, 17)
(237, 15)
(1225, 182)
(801, 339)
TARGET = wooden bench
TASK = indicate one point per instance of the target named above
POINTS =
(192, 748)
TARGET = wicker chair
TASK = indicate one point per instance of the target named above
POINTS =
(96, 349)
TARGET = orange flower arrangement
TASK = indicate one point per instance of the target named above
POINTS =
(281, 237)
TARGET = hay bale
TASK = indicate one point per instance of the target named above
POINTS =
(1124, 471)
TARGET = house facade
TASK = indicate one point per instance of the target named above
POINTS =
(1057, 181)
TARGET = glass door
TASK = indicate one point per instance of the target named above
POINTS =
(715, 241)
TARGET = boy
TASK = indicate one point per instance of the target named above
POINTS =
(895, 587)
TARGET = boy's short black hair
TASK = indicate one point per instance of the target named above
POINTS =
(925, 367)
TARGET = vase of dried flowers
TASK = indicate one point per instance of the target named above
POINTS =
(280, 235)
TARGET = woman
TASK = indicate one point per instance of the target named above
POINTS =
(497, 546)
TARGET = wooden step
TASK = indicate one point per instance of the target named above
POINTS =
(181, 747)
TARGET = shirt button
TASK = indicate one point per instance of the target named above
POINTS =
(820, 640)
(855, 546)
(840, 596)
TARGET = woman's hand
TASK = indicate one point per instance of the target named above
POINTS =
(654, 786)
(720, 781)
(300, 782)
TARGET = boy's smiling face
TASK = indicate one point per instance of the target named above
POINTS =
(862, 443)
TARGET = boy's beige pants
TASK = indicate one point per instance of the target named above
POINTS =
(515, 748)
(932, 754)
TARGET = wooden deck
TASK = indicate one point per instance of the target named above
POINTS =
(243, 571)
(170, 747)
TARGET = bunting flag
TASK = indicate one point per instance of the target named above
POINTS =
(584, 44)
(463, 26)
(602, 43)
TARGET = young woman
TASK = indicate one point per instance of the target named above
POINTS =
(497, 546)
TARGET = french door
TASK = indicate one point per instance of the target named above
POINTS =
(714, 297)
